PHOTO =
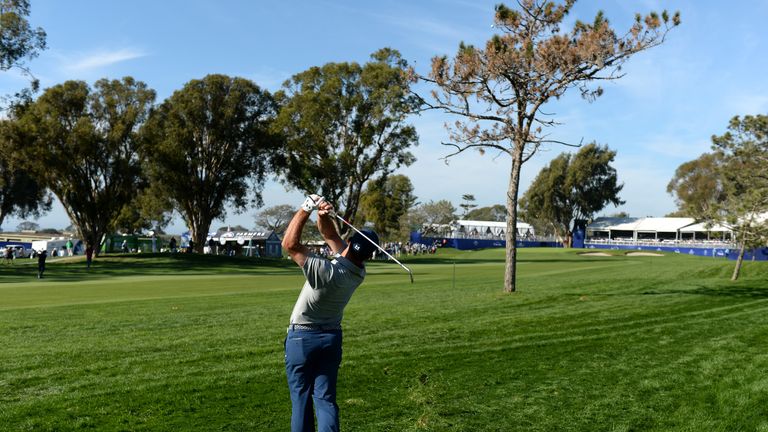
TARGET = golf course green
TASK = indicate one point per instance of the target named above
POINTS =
(195, 343)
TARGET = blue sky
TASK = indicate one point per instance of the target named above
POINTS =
(661, 114)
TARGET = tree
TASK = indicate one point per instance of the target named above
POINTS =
(494, 213)
(275, 218)
(468, 203)
(430, 214)
(208, 146)
(19, 42)
(28, 226)
(150, 210)
(743, 150)
(385, 202)
(20, 194)
(572, 188)
(343, 124)
(81, 143)
(499, 92)
(697, 186)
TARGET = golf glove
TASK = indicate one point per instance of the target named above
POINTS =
(311, 203)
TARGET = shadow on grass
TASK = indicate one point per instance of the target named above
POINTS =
(751, 292)
(107, 266)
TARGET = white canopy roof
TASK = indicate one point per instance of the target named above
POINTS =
(491, 224)
(663, 224)
(702, 227)
(614, 224)
(640, 224)
(488, 227)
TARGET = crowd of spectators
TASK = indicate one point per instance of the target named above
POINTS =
(629, 241)
(396, 249)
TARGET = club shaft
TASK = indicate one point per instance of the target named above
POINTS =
(336, 215)
(372, 242)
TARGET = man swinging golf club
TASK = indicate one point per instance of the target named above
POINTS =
(313, 343)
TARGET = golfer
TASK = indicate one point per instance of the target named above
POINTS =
(313, 344)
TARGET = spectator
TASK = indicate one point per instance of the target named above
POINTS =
(41, 256)
(172, 244)
(88, 256)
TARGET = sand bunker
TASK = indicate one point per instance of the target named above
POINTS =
(644, 254)
(595, 254)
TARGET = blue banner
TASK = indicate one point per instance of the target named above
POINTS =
(706, 252)
(759, 254)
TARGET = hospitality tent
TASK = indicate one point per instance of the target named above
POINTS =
(661, 228)
(484, 229)
(611, 228)
(634, 229)
(706, 231)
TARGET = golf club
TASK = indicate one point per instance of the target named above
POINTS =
(336, 215)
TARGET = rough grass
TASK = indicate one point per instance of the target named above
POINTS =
(169, 343)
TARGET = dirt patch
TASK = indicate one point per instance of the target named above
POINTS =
(595, 254)
(644, 254)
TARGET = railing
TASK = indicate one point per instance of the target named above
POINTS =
(663, 243)
(520, 237)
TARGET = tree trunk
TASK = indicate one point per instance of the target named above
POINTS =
(199, 223)
(199, 234)
(89, 229)
(89, 233)
(739, 261)
(510, 271)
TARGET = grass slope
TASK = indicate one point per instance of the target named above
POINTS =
(169, 343)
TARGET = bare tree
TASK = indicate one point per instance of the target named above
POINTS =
(275, 218)
(499, 92)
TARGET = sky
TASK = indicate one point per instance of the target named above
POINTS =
(662, 113)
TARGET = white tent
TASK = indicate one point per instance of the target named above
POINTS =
(653, 229)
(473, 228)
(661, 228)
(705, 231)
(702, 227)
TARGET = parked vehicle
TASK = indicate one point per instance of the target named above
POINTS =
(19, 251)
(60, 244)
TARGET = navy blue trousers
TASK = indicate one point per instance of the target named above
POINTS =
(312, 359)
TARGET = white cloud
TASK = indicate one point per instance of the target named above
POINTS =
(100, 59)
(434, 35)
(268, 78)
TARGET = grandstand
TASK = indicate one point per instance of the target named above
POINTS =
(681, 235)
(472, 234)
(473, 229)
(667, 234)
(657, 230)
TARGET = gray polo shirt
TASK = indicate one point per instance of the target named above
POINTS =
(329, 286)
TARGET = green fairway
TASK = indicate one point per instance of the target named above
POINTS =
(194, 343)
